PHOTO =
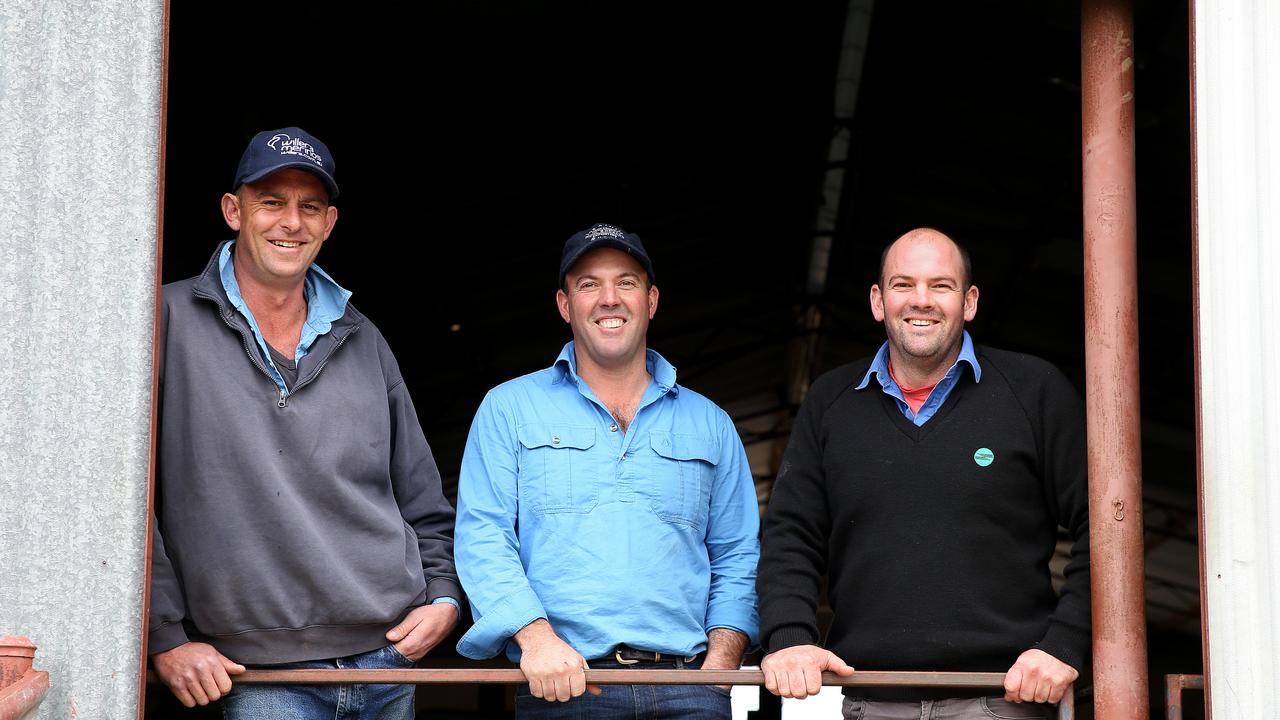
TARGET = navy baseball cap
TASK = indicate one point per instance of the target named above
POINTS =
(290, 147)
(603, 236)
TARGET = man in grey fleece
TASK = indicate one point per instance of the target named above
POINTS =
(299, 517)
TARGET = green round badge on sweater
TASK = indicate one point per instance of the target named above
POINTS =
(984, 457)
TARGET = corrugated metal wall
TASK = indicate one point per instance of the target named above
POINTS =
(80, 91)
(1237, 101)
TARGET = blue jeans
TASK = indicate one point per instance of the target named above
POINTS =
(983, 708)
(331, 702)
(634, 702)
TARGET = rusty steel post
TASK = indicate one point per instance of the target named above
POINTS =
(1173, 687)
(1172, 697)
(1111, 361)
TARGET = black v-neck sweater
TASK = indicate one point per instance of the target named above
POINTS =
(936, 539)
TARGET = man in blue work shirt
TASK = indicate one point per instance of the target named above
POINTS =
(927, 483)
(299, 517)
(607, 516)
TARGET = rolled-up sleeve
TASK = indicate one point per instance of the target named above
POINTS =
(487, 550)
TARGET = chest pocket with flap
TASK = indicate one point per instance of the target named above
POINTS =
(680, 489)
(557, 473)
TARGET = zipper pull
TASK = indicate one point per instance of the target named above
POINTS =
(283, 400)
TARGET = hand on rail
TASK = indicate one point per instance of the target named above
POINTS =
(1037, 676)
(422, 629)
(196, 672)
(555, 671)
(796, 672)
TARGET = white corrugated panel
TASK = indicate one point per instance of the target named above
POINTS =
(79, 149)
(1237, 88)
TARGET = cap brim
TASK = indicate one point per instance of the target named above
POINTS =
(606, 242)
(329, 184)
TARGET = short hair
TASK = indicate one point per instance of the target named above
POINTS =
(966, 281)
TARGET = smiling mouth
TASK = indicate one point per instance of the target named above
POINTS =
(917, 322)
(611, 323)
(284, 243)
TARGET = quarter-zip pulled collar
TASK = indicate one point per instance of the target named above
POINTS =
(328, 313)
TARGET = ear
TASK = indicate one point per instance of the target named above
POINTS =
(970, 303)
(562, 302)
(653, 301)
(877, 304)
(231, 211)
(330, 219)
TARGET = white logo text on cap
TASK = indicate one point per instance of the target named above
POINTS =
(295, 146)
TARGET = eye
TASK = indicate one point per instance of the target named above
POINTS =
(943, 287)
(587, 285)
(901, 286)
(628, 284)
(309, 207)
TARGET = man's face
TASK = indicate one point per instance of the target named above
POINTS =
(924, 303)
(281, 221)
(608, 303)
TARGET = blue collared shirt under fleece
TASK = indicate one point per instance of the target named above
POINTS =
(326, 302)
(646, 538)
(880, 368)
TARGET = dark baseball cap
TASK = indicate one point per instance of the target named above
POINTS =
(598, 236)
(291, 147)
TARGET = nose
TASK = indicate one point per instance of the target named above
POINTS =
(920, 296)
(608, 295)
(291, 217)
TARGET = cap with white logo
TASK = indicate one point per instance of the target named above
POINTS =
(291, 147)
(601, 235)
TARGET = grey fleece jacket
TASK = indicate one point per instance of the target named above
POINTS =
(288, 530)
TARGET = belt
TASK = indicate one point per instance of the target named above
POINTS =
(626, 655)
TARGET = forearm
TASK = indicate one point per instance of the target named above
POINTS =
(796, 528)
(167, 604)
(724, 649)
(1068, 635)
(792, 561)
(415, 482)
(487, 547)
(535, 633)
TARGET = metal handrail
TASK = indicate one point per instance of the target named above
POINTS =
(1173, 686)
(510, 676)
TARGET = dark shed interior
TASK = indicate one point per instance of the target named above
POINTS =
(472, 138)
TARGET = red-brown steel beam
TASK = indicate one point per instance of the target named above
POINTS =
(1111, 361)
(1173, 687)
(510, 676)
(616, 677)
(161, 143)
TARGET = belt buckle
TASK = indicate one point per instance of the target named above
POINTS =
(617, 655)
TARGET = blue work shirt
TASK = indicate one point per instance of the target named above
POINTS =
(646, 538)
(880, 368)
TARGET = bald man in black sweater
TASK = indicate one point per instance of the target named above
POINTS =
(928, 484)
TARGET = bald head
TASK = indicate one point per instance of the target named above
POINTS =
(925, 234)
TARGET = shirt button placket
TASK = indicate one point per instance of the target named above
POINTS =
(625, 491)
